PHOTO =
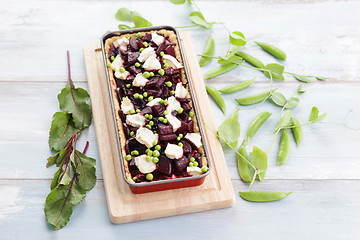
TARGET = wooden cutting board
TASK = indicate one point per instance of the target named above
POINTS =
(123, 205)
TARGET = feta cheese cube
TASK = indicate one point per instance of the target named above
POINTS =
(126, 105)
(143, 165)
(173, 121)
(135, 120)
(146, 136)
(173, 151)
(153, 102)
(149, 51)
(152, 63)
(195, 138)
(140, 80)
(180, 91)
(122, 43)
(173, 104)
(172, 61)
(117, 63)
(157, 39)
(194, 171)
(122, 76)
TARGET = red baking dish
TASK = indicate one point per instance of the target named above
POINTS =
(159, 185)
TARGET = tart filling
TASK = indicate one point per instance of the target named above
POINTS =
(158, 130)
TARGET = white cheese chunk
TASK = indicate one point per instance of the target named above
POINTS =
(195, 138)
(152, 63)
(135, 120)
(153, 102)
(122, 76)
(157, 39)
(143, 165)
(180, 91)
(122, 43)
(172, 61)
(149, 51)
(146, 136)
(140, 80)
(126, 105)
(173, 104)
(194, 171)
(173, 151)
(173, 121)
(117, 63)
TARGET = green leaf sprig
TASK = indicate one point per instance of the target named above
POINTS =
(125, 15)
(76, 173)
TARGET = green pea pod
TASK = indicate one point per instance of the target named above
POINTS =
(243, 164)
(284, 149)
(208, 51)
(215, 94)
(260, 97)
(263, 196)
(271, 49)
(260, 160)
(219, 70)
(251, 60)
(297, 131)
(256, 124)
(237, 87)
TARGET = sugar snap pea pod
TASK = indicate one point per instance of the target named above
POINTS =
(215, 94)
(242, 164)
(208, 51)
(250, 59)
(263, 196)
(297, 131)
(237, 87)
(256, 124)
(284, 149)
(219, 70)
(260, 97)
(271, 49)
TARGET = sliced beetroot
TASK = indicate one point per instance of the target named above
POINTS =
(119, 94)
(170, 50)
(181, 164)
(156, 82)
(158, 109)
(164, 166)
(183, 100)
(146, 110)
(139, 103)
(187, 148)
(134, 70)
(166, 92)
(155, 92)
(190, 125)
(122, 115)
(186, 107)
(132, 58)
(167, 137)
(133, 44)
(183, 128)
(140, 43)
(112, 51)
(165, 129)
(126, 130)
(147, 37)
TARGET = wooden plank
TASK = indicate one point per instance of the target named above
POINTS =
(125, 206)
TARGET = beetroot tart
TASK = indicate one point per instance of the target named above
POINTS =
(159, 137)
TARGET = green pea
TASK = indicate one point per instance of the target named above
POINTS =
(162, 54)
(296, 130)
(250, 59)
(165, 112)
(215, 94)
(138, 110)
(155, 160)
(148, 158)
(204, 169)
(150, 117)
(154, 132)
(146, 74)
(263, 196)
(136, 95)
(237, 87)
(164, 61)
(161, 72)
(162, 101)
(191, 164)
(180, 144)
(152, 74)
(128, 85)
(128, 157)
(132, 133)
(141, 49)
(123, 98)
(134, 178)
(191, 114)
(131, 111)
(149, 177)
(172, 92)
(151, 123)
(158, 147)
(256, 98)
(178, 138)
(196, 164)
(149, 153)
(284, 149)
(256, 124)
(139, 35)
(181, 135)
(136, 152)
(169, 84)
(141, 96)
(276, 52)
(112, 58)
(165, 121)
(122, 70)
(161, 119)
(148, 126)
(192, 159)
(147, 150)
(165, 102)
(108, 64)
(150, 98)
(156, 153)
(166, 65)
(180, 110)
(145, 44)
(219, 70)
(155, 143)
(145, 94)
(137, 64)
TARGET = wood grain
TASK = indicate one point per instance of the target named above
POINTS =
(124, 206)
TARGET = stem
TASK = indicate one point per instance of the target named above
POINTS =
(272, 144)
(86, 147)
(253, 180)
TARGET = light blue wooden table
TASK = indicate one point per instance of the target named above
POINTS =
(320, 38)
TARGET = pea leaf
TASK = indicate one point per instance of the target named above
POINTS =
(178, 2)
(276, 70)
(302, 78)
(123, 14)
(237, 38)
(279, 99)
(300, 89)
(85, 170)
(198, 18)
(123, 27)
(260, 160)
(314, 114)
(229, 130)
(285, 121)
(263, 196)
(73, 100)
(208, 50)
(292, 102)
(141, 22)
(242, 163)
(62, 128)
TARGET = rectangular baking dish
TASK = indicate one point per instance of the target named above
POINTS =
(167, 184)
